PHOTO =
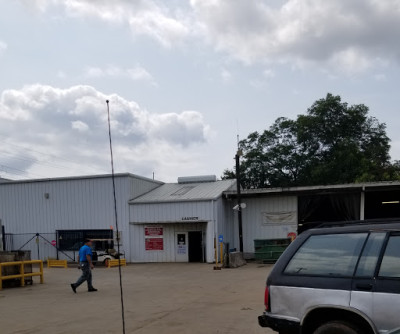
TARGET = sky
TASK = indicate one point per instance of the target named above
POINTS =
(185, 79)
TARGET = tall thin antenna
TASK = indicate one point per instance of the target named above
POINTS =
(116, 220)
(237, 135)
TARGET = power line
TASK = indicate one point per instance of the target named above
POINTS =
(33, 160)
(53, 156)
(18, 171)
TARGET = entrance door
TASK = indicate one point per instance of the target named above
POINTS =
(196, 246)
(181, 247)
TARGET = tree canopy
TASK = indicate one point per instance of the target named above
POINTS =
(333, 143)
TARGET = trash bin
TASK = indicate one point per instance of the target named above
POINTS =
(269, 250)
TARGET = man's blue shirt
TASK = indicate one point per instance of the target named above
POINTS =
(85, 250)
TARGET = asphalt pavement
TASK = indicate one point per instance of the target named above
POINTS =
(158, 298)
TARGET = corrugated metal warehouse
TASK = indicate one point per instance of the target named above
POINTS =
(174, 222)
(46, 206)
(168, 222)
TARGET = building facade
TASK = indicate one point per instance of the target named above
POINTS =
(181, 222)
(32, 212)
(157, 222)
(174, 222)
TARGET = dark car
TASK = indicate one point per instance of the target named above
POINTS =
(341, 279)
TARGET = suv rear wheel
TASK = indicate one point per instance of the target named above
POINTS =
(336, 327)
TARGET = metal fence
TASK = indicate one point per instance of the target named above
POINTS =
(41, 245)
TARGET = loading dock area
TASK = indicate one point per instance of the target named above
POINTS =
(159, 298)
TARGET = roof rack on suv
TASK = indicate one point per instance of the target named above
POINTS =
(359, 222)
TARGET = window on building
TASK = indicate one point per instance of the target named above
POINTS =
(72, 240)
(182, 191)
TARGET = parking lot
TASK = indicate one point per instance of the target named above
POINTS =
(158, 298)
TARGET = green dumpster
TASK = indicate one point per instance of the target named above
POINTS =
(269, 250)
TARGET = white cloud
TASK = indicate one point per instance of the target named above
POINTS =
(302, 32)
(80, 126)
(143, 17)
(258, 84)
(94, 72)
(351, 61)
(40, 5)
(73, 123)
(296, 32)
(180, 128)
(226, 75)
(269, 74)
(380, 77)
(155, 23)
(61, 74)
(3, 47)
(137, 73)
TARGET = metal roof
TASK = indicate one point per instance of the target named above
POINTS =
(84, 177)
(199, 178)
(2, 180)
(351, 187)
(175, 192)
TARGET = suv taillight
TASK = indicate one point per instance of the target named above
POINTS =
(266, 299)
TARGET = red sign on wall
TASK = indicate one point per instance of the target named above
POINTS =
(154, 243)
(153, 231)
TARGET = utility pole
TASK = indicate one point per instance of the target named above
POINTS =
(237, 158)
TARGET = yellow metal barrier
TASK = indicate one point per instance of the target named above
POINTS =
(22, 274)
(114, 263)
(57, 263)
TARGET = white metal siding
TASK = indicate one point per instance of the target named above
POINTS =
(170, 212)
(173, 213)
(138, 249)
(225, 223)
(72, 204)
(252, 219)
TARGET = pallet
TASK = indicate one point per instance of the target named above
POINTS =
(57, 263)
(115, 263)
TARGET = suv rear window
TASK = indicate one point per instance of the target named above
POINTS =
(390, 266)
(369, 258)
(327, 255)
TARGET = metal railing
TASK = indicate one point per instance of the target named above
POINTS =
(22, 275)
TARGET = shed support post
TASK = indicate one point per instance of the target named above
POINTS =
(362, 205)
(237, 157)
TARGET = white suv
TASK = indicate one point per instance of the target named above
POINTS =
(342, 279)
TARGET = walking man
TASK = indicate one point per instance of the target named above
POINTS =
(85, 263)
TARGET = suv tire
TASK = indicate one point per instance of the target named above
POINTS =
(336, 327)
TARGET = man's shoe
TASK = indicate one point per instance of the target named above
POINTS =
(92, 289)
(73, 287)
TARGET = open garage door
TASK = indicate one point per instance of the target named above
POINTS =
(321, 208)
(382, 204)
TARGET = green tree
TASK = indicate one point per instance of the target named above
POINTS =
(333, 143)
